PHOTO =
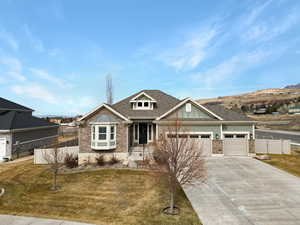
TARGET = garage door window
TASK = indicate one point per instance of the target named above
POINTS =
(194, 136)
(228, 136)
(240, 136)
(205, 136)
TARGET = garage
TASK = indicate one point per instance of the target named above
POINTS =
(202, 139)
(235, 144)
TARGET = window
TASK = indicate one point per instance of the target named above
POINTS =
(188, 107)
(240, 136)
(228, 136)
(140, 104)
(102, 133)
(103, 136)
(112, 133)
(93, 133)
(182, 135)
(146, 104)
(205, 136)
(194, 136)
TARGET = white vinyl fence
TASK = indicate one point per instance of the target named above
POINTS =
(268, 146)
(39, 154)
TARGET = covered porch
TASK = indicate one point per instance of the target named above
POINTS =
(141, 135)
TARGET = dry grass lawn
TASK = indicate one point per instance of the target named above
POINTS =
(289, 163)
(101, 197)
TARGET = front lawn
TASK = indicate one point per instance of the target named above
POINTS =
(103, 197)
(289, 163)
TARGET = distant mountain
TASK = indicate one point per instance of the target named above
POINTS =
(296, 86)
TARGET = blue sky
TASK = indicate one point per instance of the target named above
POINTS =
(54, 55)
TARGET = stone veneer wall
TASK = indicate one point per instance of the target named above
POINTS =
(252, 146)
(217, 147)
(85, 134)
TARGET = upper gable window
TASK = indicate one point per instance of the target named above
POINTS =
(188, 107)
(143, 102)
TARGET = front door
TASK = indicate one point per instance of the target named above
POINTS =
(143, 133)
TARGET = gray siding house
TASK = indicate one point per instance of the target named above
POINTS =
(138, 120)
(21, 132)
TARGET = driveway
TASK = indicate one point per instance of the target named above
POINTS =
(24, 220)
(243, 191)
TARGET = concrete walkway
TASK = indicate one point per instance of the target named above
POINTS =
(22, 220)
(245, 191)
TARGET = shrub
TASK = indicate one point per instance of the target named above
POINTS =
(100, 160)
(158, 157)
(71, 161)
(113, 160)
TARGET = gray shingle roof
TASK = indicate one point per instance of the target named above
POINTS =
(6, 104)
(164, 103)
(18, 120)
(226, 114)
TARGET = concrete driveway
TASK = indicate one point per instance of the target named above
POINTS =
(243, 191)
(24, 220)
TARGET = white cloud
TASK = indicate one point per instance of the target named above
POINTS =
(257, 26)
(191, 52)
(35, 42)
(36, 91)
(230, 68)
(13, 67)
(51, 78)
(9, 39)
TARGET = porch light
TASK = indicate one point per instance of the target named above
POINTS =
(217, 136)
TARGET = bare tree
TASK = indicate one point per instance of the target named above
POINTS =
(109, 89)
(54, 158)
(181, 159)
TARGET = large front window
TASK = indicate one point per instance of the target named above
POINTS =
(103, 136)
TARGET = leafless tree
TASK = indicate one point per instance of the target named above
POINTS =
(54, 157)
(181, 159)
(109, 89)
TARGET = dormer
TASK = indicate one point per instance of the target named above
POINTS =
(143, 102)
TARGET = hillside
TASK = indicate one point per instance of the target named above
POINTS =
(296, 86)
(278, 98)
(272, 100)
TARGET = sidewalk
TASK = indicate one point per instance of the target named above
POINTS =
(22, 220)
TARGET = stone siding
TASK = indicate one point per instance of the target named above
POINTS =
(217, 147)
(85, 134)
(252, 146)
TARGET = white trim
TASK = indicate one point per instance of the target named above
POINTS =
(103, 123)
(253, 131)
(203, 122)
(142, 93)
(39, 139)
(182, 103)
(217, 155)
(136, 107)
(196, 132)
(107, 140)
(156, 130)
(107, 107)
(148, 136)
(221, 133)
(134, 133)
(235, 133)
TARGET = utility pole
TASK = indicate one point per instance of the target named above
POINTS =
(109, 89)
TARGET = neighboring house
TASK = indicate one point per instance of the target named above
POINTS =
(294, 110)
(20, 132)
(139, 120)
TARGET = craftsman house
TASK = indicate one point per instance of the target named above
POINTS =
(137, 121)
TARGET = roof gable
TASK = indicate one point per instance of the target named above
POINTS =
(99, 108)
(205, 112)
(142, 96)
(9, 105)
(164, 102)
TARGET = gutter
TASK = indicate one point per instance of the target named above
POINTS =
(205, 122)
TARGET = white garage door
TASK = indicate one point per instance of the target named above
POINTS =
(235, 146)
(202, 140)
(2, 147)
